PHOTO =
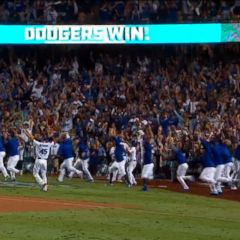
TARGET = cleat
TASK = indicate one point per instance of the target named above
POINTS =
(214, 193)
(186, 190)
(234, 188)
(44, 187)
(109, 184)
(144, 189)
(80, 174)
(7, 179)
(90, 181)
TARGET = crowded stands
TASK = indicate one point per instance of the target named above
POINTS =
(110, 12)
(180, 91)
(178, 100)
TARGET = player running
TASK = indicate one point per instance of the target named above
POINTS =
(209, 168)
(84, 154)
(236, 169)
(42, 151)
(2, 155)
(182, 167)
(132, 163)
(117, 154)
(12, 145)
(67, 153)
(147, 170)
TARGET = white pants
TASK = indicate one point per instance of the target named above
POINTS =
(228, 167)
(207, 176)
(181, 175)
(147, 171)
(2, 167)
(78, 165)
(85, 165)
(40, 171)
(118, 166)
(236, 171)
(11, 166)
(219, 177)
(115, 175)
(130, 168)
(67, 164)
(21, 152)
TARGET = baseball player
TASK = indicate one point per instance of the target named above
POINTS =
(114, 171)
(54, 158)
(209, 169)
(182, 167)
(66, 152)
(42, 150)
(13, 154)
(119, 160)
(84, 154)
(228, 162)
(147, 170)
(132, 163)
(236, 170)
(218, 160)
(2, 155)
(25, 129)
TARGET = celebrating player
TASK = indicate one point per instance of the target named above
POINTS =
(66, 152)
(13, 154)
(147, 170)
(132, 163)
(42, 151)
(209, 168)
(182, 168)
(2, 155)
(84, 155)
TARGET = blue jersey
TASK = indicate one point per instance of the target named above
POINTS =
(217, 154)
(207, 157)
(84, 152)
(2, 148)
(148, 152)
(12, 147)
(119, 149)
(226, 154)
(66, 149)
(166, 123)
(180, 157)
(237, 153)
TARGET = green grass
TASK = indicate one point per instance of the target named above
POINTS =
(159, 214)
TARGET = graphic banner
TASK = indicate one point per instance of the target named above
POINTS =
(119, 34)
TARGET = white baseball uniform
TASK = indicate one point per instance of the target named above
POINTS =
(42, 150)
(132, 165)
(2, 167)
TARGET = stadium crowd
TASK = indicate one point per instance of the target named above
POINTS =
(182, 93)
(130, 11)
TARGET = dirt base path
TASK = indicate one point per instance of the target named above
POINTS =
(197, 189)
(24, 204)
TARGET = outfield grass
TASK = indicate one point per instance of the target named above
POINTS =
(160, 214)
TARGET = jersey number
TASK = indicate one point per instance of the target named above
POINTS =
(43, 151)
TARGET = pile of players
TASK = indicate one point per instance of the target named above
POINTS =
(219, 165)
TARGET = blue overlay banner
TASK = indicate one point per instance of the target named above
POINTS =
(119, 34)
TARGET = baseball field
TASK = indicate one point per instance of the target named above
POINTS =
(79, 210)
